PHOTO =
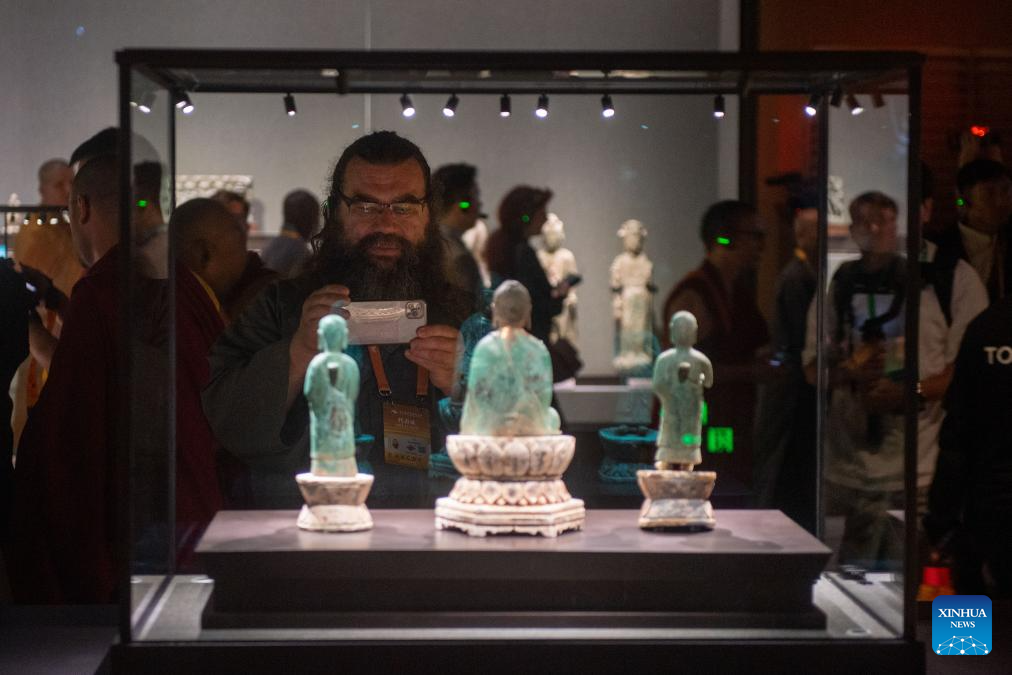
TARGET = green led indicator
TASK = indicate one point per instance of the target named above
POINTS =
(526, 218)
(960, 202)
(690, 439)
(706, 414)
(142, 203)
(723, 241)
(720, 440)
(465, 205)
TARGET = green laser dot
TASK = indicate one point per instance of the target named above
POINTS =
(465, 205)
(142, 203)
(525, 218)
(960, 202)
(723, 241)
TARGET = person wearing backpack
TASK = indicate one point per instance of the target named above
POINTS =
(864, 325)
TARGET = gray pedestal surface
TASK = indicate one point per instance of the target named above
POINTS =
(756, 569)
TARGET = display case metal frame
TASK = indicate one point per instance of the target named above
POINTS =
(555, 73)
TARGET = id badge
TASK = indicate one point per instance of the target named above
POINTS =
(406, 435)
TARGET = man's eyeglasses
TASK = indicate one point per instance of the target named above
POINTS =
(365, 209)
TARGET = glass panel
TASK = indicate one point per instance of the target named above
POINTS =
(644, 166)
(150, 314)
(864, 312)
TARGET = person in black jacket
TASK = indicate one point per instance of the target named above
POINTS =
(970, 503)
(522, 212)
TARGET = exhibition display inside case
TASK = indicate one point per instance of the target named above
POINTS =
(558, 519)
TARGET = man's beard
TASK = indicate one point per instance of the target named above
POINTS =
(368, 279)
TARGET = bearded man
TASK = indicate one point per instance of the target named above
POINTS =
(379, 242)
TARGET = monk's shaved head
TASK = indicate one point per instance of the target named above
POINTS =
(210, 242)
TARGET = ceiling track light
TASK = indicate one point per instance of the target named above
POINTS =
(146, 102)
(607, 108)
(836, 98)
(718, 106)
(184, 103)
(407, 107)
(290, 105)
(450, 109)
(505, 107)
(542, 109)
(812, 107)
(855, 106)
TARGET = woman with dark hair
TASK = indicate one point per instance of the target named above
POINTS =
(522, 212)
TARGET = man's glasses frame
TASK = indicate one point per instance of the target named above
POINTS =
(405, 208)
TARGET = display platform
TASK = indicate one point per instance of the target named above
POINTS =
(756, 569)
(593, 405)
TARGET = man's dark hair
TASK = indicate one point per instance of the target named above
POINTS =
(380, 147)
(301, 211)
(105, 142)
(98, 180)
(868, 206)
(979, 171)
(453, 183)
(722, 220)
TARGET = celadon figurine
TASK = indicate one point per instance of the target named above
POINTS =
(677, 496)
(331, 388)
(510, 453)
(559, 264)
(509, 384)
(334, 491)
(632, 302)
(680, 375)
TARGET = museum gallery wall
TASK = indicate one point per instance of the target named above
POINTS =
(660, 160)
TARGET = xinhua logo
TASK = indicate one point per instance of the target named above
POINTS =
(961, 625)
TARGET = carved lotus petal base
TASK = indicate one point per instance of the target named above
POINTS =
(676, 499)
(510, 493)
(511, 458)
(334, 504)
(479, 520)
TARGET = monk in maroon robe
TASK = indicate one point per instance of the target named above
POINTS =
(212, 263)
(63, 536)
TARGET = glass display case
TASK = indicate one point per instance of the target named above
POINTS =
(255, 590)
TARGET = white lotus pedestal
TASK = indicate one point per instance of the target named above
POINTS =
(334, 503)
(510, 484)
(676, 499)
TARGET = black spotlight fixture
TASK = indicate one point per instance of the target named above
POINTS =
(718, 106)
(450, 109)
(147, 101)
(855, 106)
(184, 103)
(407, 107)
(836, 98)
(290, 105)
(877, 101)
(542, 109)
(505, 107)
(812, 107)
(607, 108)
